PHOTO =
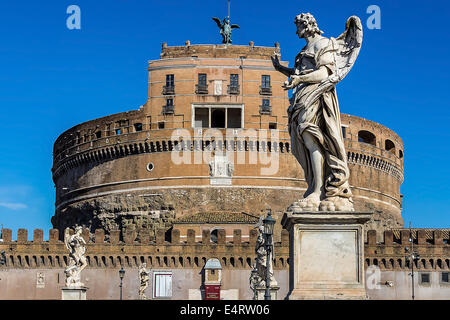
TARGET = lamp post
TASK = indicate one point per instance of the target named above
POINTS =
(268, 223)
(121, 275)
(411, 257)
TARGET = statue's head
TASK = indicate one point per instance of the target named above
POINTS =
(78, 230)
(306, 25)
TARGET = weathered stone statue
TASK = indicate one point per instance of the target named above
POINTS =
(144, 279)
(314, 116)
(225, 29)
(259, 279)
(77, 261)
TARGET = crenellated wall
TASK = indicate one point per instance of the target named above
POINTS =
(35, 269)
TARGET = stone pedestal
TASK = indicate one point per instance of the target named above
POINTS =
(326, 254)
(73, 293)
(260, 292)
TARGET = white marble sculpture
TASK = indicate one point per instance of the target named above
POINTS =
(258, 279)
(314, 116)
(144, 278)
(77, 261)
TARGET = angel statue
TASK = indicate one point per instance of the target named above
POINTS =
(258, 279)
(144, 279)
(75, 244)
(225, 29)
(314, 117)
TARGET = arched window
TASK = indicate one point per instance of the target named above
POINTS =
(400, 154)
(389, 146)
(366, 137)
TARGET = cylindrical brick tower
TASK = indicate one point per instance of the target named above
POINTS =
(212, 136)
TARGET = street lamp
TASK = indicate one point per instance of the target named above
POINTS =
(411, 257)
(268, 224)
(121, 275)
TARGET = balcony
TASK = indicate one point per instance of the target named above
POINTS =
(168, 90)
(266, 91)
(265, 110)
(233, 89)
(201, 89)
(168, 109)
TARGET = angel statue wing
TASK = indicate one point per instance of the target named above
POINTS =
(346, 49)
(235, 26)
(219, 23)
(348, 46)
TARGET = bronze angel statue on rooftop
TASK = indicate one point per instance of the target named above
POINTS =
(314, 116)
(225, 29)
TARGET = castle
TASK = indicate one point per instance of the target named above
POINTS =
(185, 177)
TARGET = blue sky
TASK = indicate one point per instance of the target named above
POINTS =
(52, 78)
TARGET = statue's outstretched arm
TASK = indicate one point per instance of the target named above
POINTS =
(279, 67)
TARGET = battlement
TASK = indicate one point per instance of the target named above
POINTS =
(219, 51)
(431, 244)
(113, 252)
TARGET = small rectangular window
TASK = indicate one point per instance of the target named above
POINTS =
(265, 102)
(343, 132)
(265, 81)
(202, 79)
(98, 134)
(169, 102)
(118, 131)
(138, 127)
(170, 80)
(162, 284)
(444, 277)
(161, 125)
(234, 80)
(272, 125)
(425, 278)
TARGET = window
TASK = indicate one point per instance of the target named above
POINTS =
(201, 87)
(118, 131)
(169, 88)
(344, 132)
(161, 125)
(233, 88)
(216, 117)
(162, 284)
(265, 107)
(389, 146)
(366, 137)
(202, 79)
(265, 81)
(168, 108)
(444, 277)
(424, 278)
(201, 118)
(400, 154)
(138, 127)
(170, 80)
(234, 118)
(169, 102)
(234, 80)
(98, 134)
(272, 125)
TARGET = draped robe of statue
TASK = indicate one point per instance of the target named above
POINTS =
(321, 119)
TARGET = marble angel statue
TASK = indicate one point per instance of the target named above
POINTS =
(314, 116)
(77, 261)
